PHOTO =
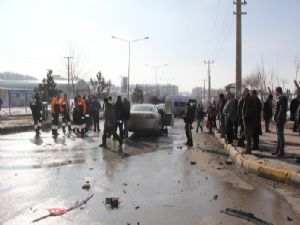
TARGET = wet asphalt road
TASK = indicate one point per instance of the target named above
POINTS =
(156, 183)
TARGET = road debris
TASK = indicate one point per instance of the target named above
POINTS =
(137, 207)
(229, 161)
(289, 218)
(86, 186)
(113, 202)
(62, 211)
(216, 197)
(245, 215)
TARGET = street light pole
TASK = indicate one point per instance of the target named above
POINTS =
(129, 46)
(156, 69)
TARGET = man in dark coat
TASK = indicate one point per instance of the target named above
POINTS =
(109, 123)
(126, 115)
(241, 139)
(268, 112)
(257, 129)
(230, 116)
(119, 116)
(249, 115)
(189, 119)
(293, 110)
(221, 116)
(95, 109)
(36, 108)
(280, 119)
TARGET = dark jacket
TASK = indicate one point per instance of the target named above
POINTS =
(267, 110)
(119, 110)
(240, 110)
(293, 108)
(36, 107)
(109, 115)
(221, 105)
(258, 111)
(189, 115)
(95, 107)
(281, 109)
(126, 110)
(249, 111)
(200, 114)
(230, 110)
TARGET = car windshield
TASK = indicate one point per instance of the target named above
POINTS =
(147, 108)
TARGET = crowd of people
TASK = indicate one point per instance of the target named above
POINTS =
(240, 119)
(85, 112)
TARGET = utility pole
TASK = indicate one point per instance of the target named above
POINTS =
(68, 58)
(209, 78)
(238, 70)
(204, 92)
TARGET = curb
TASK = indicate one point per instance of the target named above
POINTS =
(26, 127)
(275, 174)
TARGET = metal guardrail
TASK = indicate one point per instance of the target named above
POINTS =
(15, 101)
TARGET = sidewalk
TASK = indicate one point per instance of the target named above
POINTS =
(264, 164)
(11, 124)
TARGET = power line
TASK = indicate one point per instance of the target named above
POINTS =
(213, 28)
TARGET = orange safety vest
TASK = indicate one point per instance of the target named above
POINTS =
(55, 105)
(82, 102)
(63, 104)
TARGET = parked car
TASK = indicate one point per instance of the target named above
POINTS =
(145, 118)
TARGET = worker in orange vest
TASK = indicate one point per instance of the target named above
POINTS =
(78, 115)
(64, 108)
(55, 109)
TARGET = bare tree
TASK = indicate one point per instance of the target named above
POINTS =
(257, 80)
(100, 87)
(76, 65)
(297, 66)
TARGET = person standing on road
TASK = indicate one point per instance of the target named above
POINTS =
(188, 120)
(221, 115)
(257, 129)
(295, 103)
(36, 108)
(109, 123)
(200, 117)
(211, 117)
(249, 118)
(55, 109)
(126, 115)
(230, 116)
(95, 109)
(241, 139)
(268, 112)
(280, 119)
(65, 111)
(119, 116)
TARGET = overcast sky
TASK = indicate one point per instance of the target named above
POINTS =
(37, 34)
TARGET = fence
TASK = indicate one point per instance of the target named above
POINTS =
(15, 101)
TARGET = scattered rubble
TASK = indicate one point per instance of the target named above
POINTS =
(289, 218)
(86, 186)
(113, 202)
(216, 197)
